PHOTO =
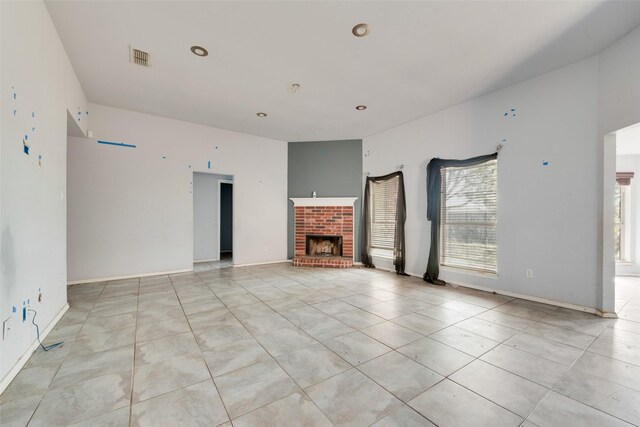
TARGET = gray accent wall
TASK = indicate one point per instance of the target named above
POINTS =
(331, 169)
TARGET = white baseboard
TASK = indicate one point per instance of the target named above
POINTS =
(539, 299)
(130, 276)
(608, 315)
(27, 354)
(263, 263)
(196, 261)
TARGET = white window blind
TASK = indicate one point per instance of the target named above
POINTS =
(468, 218)
(384, 196)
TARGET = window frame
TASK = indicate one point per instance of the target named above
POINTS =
(377, 250)
(625, 229)
(443, 222)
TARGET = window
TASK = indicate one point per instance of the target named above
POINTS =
(384, 199)
(621, 198)
(468, 217)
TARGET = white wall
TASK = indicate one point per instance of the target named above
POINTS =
(131, 210)
(33, 207)
(206, 210)
(547, 214)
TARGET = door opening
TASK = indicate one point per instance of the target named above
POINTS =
(225, 222)
(626, 217)
(212, 221)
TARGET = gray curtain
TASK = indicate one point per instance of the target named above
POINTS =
(401, 217)
(434, 181)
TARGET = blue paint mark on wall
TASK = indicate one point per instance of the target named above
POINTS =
(119, 144)
(545, 163)
(209, 164)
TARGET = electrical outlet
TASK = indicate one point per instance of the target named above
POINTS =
(7, 326)
(529, 273)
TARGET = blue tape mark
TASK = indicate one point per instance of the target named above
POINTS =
(506, 114)
(119, 144)
(14, 310)
(25, 148)
(14, 95)
(26, 137)
(545, 163)
(209, 164)
(28, 301)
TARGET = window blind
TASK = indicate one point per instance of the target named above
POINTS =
(469, 217)
(384, 196)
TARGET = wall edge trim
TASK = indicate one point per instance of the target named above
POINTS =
(264, 263)
(128, 276)
(582, 308)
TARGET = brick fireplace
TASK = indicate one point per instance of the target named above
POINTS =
(323, 230)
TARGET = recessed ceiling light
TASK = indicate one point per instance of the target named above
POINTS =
(199, 50)
(261, 114)
(360, 30)
(361, 107)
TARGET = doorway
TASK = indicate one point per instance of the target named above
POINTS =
(212, 221)
(627, 219)
(225, 220)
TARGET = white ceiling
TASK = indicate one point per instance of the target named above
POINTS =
(420, 57)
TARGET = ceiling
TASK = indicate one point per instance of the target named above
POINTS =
(420, 57)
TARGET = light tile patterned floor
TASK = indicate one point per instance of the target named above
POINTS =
(283, 346)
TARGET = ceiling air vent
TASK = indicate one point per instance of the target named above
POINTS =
(138, 56)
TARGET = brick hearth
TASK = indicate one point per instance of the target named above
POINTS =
(323, 221)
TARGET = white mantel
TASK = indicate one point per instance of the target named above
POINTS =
(323, 201)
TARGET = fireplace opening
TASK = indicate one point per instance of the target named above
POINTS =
(324, 245)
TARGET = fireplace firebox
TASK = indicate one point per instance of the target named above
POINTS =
(324, 245)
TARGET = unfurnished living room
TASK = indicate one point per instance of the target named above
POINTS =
(320, 213)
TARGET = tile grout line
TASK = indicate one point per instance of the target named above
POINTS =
(133, 368)
(64, 358)
(198, 345)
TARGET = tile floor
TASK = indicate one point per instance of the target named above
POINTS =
(283, 346)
